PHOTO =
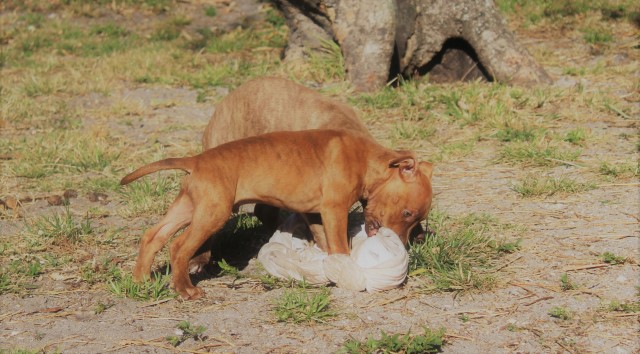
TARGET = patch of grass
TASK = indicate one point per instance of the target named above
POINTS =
(23, 351)
(536, 154)
(100, 184)
(525, 133)
(111, 29)
(156, 288)
(620, 169)
(102, 307)
(573, 71)
(560, 312)
(576, 136)
(534, 186)
(536, 10)
(597, 36)
(29, 268)
(5, 283)
(148, 196)
(242, 39)
(327, 63)
(566, 283)
(411, 131)
(104, 270)
(304, 305)
(386, 98)
(60, 226)
(613, 259)
(269, 282)
(460, 255)
(34, 19)
(62, 152)
(82, 6)
(454, 150)
(170, 30)
(275, 18)
(210, 11)
(187, 331)
(429, 342)
(458, 108)
(628, 307)
(35, 87)
(34, 43)
(226, 269)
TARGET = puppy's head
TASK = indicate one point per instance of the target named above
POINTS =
(402, 200)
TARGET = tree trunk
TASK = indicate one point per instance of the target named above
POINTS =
(448, 39)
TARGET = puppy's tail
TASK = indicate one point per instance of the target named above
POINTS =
(186, 164)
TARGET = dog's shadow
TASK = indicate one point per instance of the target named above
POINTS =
(242, 237)
(240, 240)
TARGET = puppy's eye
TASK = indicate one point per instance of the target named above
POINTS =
(406, 213)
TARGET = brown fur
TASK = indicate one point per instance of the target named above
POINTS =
(315, 171)
(273, 104)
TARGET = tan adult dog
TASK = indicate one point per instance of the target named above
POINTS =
(314, 171)
(271, 104)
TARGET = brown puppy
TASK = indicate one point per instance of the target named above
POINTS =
(272, 104)
(314, 171)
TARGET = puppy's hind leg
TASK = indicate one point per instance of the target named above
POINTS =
(208, 217)
(178, 216)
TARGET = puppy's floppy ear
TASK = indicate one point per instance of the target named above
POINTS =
(406, 164)
(426, 168)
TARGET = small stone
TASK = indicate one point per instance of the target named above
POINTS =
(11, 202)
(70, 193)
(98, 197)
(55, 200)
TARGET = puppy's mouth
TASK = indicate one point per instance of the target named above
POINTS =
(371, 227)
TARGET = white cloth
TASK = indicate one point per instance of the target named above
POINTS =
(376, 263)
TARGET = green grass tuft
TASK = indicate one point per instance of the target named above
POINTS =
(620, 170)
(509, 134)
(304, 305)
(613, 259)
(534, 186)
(566, 283)
(148, 196)
(534, 154)
(60, 226)
(156, 288)
(429, 342)
(460, 254)
(385, 98)
(629, 307)
(210, 11)
(597, 36)
(188, 331)
(561, 313)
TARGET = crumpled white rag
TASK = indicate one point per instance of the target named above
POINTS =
(376, 263)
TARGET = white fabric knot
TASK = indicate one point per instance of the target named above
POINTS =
(376, 263)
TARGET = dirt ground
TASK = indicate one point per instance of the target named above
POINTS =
(563, 234)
